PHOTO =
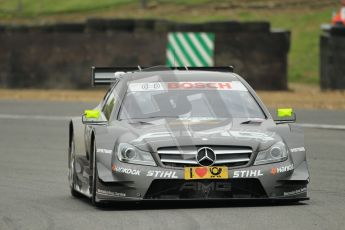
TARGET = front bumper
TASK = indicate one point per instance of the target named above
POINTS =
(274, 182)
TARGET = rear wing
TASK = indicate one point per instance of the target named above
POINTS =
(108, 75)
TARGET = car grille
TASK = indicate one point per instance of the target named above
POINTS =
(230, 156)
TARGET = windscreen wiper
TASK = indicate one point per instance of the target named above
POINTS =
(158, 117)
(153, 117)
(253, 121)
(140, 122)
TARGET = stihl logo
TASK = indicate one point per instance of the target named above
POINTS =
(161, 174)
(247, 173)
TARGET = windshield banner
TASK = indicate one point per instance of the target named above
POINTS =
(164, 86)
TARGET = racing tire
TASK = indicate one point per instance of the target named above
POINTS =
(94, 177)
(71, 169)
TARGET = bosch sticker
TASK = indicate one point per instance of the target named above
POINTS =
(164, 86)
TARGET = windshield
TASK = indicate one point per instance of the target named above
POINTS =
(189, 100)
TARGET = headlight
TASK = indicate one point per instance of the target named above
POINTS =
(130, 154)
(276, 153)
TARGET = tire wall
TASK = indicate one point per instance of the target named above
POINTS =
(60, 56)
(332, 59)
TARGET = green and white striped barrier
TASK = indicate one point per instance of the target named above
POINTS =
(190, 49)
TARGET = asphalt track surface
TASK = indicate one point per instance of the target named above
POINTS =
(34, 191)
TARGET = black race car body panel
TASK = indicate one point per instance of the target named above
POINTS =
(165, 138)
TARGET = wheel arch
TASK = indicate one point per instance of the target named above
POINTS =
(77, 131)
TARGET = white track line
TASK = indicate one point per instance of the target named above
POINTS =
(34, 117)
(321, 126)
(66, 118)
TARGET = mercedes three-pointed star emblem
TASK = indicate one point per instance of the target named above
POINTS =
(205, 156)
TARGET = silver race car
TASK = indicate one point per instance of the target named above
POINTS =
(184, 134)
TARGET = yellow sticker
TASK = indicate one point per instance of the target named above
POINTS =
(92, 113)
(212, 172)
(286, 112)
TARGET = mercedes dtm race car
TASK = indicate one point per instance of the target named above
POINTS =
(184, 134)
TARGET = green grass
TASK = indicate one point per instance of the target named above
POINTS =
(304, 50)
(32, 8)
(303, 22)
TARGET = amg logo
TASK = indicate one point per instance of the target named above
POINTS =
(213, 186)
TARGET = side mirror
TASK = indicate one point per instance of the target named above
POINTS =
(93, 117)
(285, 115)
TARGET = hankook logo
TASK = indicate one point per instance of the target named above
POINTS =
(205, 156)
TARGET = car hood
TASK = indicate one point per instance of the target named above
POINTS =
(151, 135)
